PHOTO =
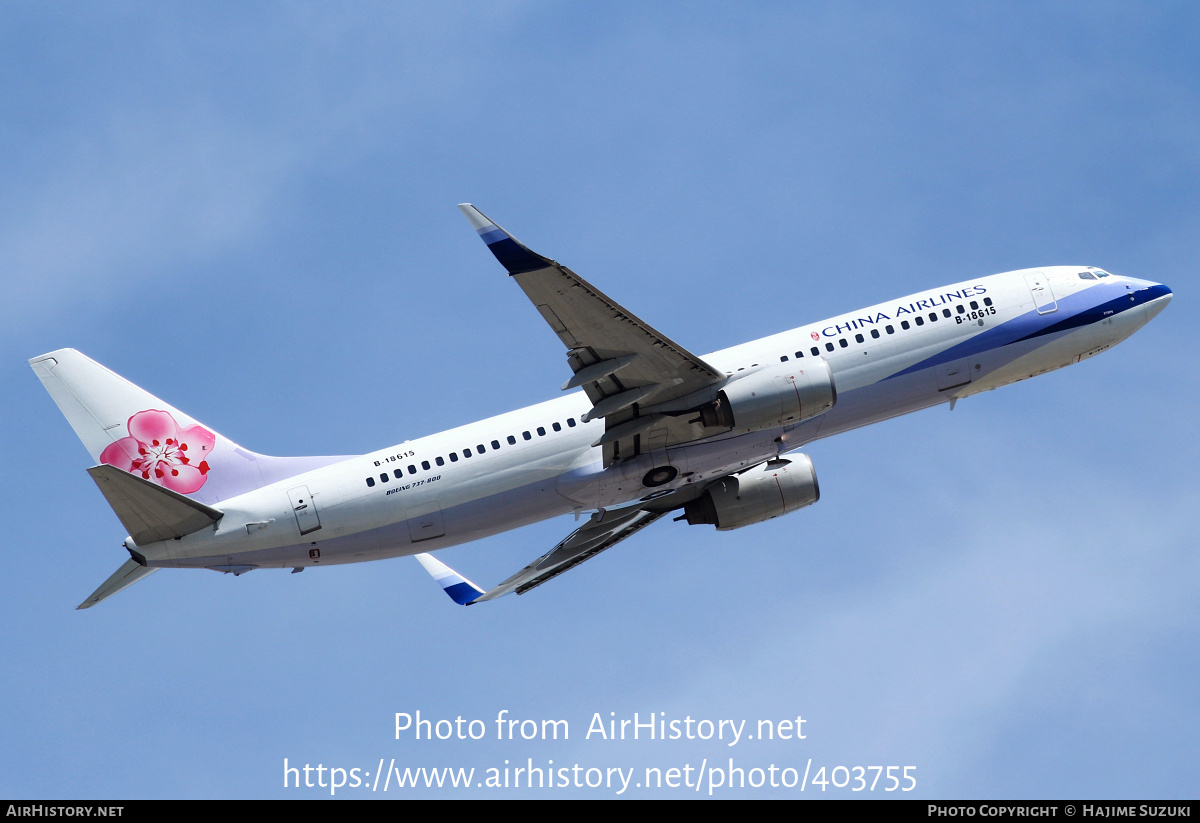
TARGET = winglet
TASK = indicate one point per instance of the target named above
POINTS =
(461, 590)
(511, 253)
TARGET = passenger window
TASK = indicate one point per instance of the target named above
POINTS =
(904, 325)
(987, 301)
(875, 334)
(495, 445)
(412, 469)
(527, 435)
(945, 312)
(425, 465)
(816, 352)
(571, 422)
(842, 342)
(558, 427)
(889, 330)
(974, 305)
(480, 449)
(828, 347)
(920, 321)
(371, 482)
(439, 461)
(512, 441)
(858, 338)
(541, 430)
(398, 473)
(933, 317)
(960, 309)
(783, 358)
(453, 457)
(383, 478)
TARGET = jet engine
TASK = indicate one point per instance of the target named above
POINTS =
(775, 396)
(763, 493)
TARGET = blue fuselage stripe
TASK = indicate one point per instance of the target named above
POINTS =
(1073, 311)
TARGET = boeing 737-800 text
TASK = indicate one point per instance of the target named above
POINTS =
(655, 429)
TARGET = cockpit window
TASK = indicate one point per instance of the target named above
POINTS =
(1100, 272)
(1086, 275)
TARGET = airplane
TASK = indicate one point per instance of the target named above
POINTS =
(654, 430)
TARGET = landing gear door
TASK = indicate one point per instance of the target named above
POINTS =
(305, 510)
(1043, 295)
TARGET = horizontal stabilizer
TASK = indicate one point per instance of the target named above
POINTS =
(150, 512)
(129, 573)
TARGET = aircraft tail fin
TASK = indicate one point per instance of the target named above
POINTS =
(130, 572)
(125, 426)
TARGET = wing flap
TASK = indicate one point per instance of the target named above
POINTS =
(583, 544)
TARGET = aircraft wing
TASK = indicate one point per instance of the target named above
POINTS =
(603, 530)
(620, 361)
(582, 544)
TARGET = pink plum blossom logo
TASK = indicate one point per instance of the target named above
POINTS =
(161, 452)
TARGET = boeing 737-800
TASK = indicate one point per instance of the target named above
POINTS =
(655, 429)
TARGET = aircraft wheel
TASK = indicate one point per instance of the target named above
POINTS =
(660, 476)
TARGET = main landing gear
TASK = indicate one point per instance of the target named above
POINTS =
(660, 476)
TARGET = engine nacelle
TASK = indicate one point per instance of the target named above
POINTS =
(761, 494)
(774, 396)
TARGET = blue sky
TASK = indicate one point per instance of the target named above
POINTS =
(250, 212)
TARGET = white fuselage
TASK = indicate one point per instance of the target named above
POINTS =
(528, 465)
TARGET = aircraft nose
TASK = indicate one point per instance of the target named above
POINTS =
(1159, 296)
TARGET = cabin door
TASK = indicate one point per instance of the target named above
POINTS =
(305, 510)
(1043, 294)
